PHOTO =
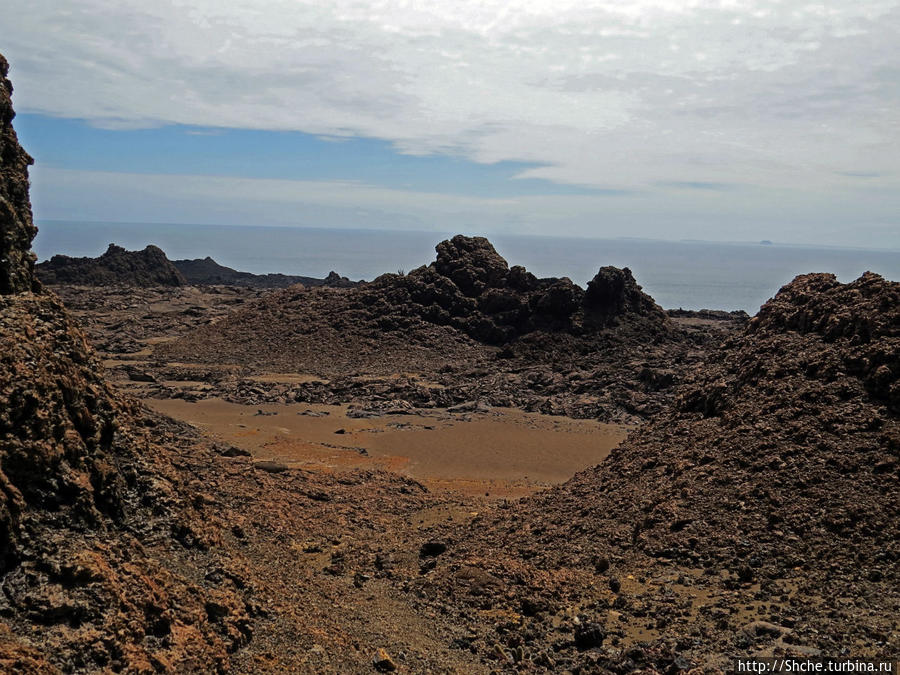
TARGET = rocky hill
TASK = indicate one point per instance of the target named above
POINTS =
(149, 267)
(469, 290)
(760, 515)
(207, 272)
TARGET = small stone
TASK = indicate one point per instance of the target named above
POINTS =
(756, 629)
(383, 662)
(745, 574)
(432, 549)
(232, 451)
(589, 635)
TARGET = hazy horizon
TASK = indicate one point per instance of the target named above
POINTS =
(467, 232)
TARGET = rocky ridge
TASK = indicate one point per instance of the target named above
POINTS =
(206, 272)
(149, 267)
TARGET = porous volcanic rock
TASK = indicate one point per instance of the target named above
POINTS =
(761, 514)
(16, 226)
(791, 429)
(102, 553)
(471, 287)
(149, 267)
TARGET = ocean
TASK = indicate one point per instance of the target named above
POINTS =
(686, 274)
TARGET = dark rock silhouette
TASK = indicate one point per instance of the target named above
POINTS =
(206, 271)
(149, 267)
(16, 226)
(471, 287)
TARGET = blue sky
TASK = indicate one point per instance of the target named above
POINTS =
(177, 149)
(734, 120)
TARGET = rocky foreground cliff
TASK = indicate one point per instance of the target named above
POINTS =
(16, 226)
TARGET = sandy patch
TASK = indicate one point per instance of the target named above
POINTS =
(503, 452)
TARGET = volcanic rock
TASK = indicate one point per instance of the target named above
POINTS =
(16, 226)
(149, 267)
(444, 313)
(773, 478)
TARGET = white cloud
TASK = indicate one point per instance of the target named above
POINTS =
(609, 93)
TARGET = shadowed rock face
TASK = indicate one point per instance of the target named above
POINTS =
(614, 292)
(149, 267)
(471, 263)
(16, 227)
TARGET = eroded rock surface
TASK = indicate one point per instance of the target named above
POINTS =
(101, 554)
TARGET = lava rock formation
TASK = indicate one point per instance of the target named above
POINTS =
(149, 267)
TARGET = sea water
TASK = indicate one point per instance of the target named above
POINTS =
(687, 274)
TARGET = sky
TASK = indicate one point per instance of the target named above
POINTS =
(730, 120)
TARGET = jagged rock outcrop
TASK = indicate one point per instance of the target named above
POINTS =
(471, 287)
(16, 226)
(149, 267)
(101, 554)
(206, 271)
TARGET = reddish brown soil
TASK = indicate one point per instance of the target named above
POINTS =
(499, 452)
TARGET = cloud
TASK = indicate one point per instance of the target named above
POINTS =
(699, 185)
(622, 95)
